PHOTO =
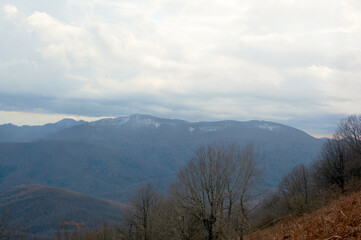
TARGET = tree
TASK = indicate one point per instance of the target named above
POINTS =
(349, 130)
(216, 184)
(242, 184)
(171, 221)
(331, 167)
(294, 188)
(138, 218)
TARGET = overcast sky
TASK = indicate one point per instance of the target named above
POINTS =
(288, 61)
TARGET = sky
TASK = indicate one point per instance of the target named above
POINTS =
(287, 61)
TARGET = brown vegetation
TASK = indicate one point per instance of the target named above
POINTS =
(339, 220)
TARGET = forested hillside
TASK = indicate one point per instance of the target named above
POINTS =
(37, 212)
(111, 158)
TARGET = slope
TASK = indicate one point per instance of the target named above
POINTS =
(110, 158)
(339, 220)
(81, 167)
(170, 143)
(39, 210)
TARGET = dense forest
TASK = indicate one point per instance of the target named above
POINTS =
(219, 194)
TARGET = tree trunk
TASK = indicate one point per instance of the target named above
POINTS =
(241, 234)
(209, 226)
(210, 233)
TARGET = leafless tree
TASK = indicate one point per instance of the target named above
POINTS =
(349, 130)
(171, 221)
(216, 184)
(242, 184)
(140, 212)
(294, 188)
(128, 224)
(331, 167)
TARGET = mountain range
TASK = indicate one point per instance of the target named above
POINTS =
(111, 157)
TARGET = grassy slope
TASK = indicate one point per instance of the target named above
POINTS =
(339, 220)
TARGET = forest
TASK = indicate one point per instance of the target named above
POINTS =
(219, 194)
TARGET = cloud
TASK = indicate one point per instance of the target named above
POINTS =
(10, 11)
(29, 118)
(65, 43)
(274, 60)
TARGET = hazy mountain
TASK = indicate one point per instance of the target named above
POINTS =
(39, 210)
(170, 143)
(111, 157)
(82, 167)
(13, 133)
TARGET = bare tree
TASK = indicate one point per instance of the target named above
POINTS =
(294, 188)
(128, 224)
(139, 215)
(243, 183)
(171, 221)
(331, 167)
(349, 130)
(218, 181)
(202, 185)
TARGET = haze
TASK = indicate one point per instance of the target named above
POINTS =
(294, 62)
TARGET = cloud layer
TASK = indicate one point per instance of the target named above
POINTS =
(277, 60)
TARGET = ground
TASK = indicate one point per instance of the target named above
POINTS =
(339, 220)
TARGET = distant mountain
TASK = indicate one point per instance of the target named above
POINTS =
(77, 166)
(111, 157)
(39, 210)
(13, 133)
(170, 143)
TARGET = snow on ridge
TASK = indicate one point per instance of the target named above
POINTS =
(111, 122)
(135, 121)
(202, 129)
(145, 122)
(191, 129)
(268, 127)
(200, 126)
(208, 129)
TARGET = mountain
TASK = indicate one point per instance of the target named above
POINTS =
(77, 166)
(111, 157)
(171, 143)
(13, 133)
(39, 210)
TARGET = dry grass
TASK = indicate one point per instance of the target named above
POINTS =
(339, 220)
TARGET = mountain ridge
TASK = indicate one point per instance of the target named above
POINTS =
(101, 157)
(13, 133)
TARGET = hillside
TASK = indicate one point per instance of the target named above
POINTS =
(81, 167)
(110, 158)
(39, 210)
(339, 220)
(170, 143)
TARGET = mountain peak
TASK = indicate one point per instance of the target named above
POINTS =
(133, 121)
